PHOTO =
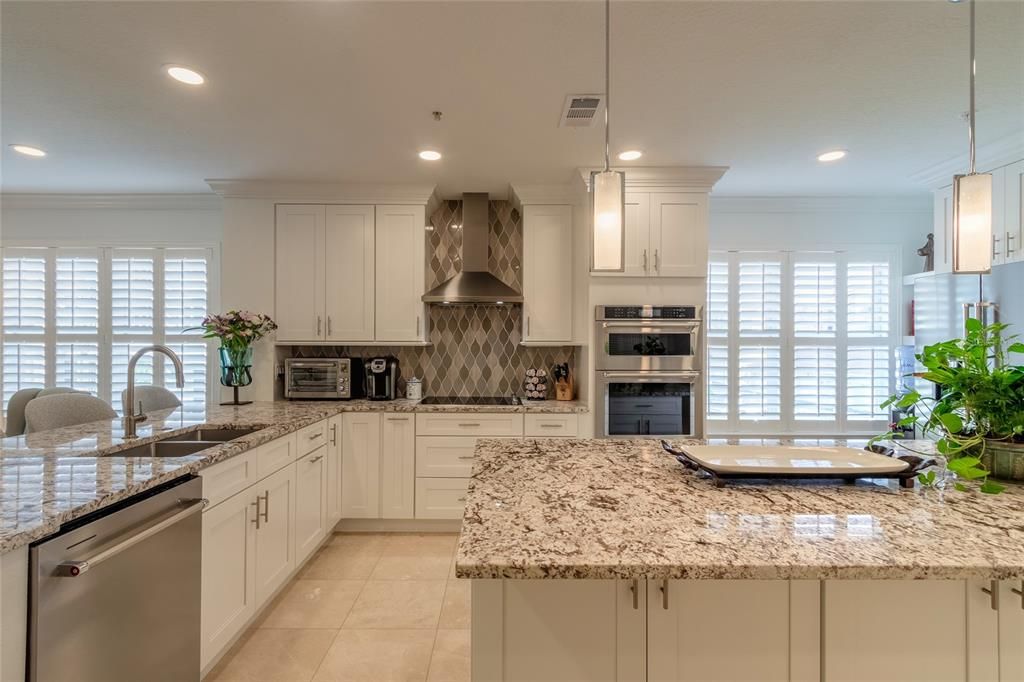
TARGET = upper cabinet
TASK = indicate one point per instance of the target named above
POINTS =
(547, 274)
(400, 279)
(666, 235)
(349, 273)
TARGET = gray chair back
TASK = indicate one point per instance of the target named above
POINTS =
(67, 409)
(15, 425)
(152, 398)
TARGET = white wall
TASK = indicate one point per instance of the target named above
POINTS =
(807, 223)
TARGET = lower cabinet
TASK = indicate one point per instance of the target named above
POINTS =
(441, 498)
(310, 502)
(397, 466)
(275, 532)
(765, 630)
(360, 466)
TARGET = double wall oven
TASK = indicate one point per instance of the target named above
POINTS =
(649, 378)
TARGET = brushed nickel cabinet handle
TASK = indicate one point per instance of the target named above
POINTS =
(993, 592)
(318, 325)
(257, 505)
(549, 425)
(657, 262)
(645, 260)
(634, 587)
(334, 434)
(316, 459)
(398, 419)
(465, 456)
(461, 499)
(1010, 238)
(328, 325)
(470, 424)
(1019, 593)
(318, 434)
(266, 506)
(995, 249)
(664, 594)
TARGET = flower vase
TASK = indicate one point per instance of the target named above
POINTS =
(236, 370)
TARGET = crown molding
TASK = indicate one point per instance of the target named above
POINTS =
(539, 194)
(324, 192)
(988, 156)
(917, 203)
(668, 178)
(140, 202)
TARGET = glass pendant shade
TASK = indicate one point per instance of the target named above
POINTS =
(608, 208)
(972, 223)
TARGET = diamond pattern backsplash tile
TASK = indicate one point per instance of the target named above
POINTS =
(475, 349)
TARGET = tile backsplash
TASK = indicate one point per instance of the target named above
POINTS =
(474, 349)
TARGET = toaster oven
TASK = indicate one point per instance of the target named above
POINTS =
(323, 378)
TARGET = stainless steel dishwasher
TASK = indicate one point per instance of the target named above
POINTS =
(116, 595)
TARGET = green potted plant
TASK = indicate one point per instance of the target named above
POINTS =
(978, 419)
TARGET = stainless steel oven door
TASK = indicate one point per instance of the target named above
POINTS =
(652, 345)
(655, 404)
(313, 379)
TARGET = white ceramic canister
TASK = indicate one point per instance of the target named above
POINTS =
(414, 389)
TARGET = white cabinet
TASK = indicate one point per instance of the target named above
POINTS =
(441, 498)
(229, 578)
(942, 229)
(275, 534)
(1010, 206)
(334, 428)
(349, 273)
(531, 630)
(1011, 629)
(679, 234)
(299, 272)
(708, 630)
(360, 465)
(400, 280)
(310, 502)
(397, 466)
(547, 273)
(666, 235)
(551, 425)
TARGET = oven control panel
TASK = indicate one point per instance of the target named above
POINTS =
(647, 312)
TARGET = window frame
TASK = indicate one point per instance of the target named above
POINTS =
(105, 252)
(788, 424)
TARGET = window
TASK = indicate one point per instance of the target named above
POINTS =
(799, 342)
(74, 317)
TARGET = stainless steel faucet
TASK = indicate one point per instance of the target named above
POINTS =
(131, 418)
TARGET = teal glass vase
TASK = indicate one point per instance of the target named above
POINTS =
(235, 366)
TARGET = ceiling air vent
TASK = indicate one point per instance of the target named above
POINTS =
(579, 111)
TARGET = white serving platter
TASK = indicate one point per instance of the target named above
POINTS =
(791, 460)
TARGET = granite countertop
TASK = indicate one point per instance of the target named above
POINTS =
(51, 477)
(627, 509)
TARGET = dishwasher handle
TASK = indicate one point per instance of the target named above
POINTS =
(73, 569)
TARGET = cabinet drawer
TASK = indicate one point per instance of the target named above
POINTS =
(469, 424)
(274, 455)
(224, 479)
(441, 498)
(552, 425)
(311, 437)
(444, 456)
(648, 405)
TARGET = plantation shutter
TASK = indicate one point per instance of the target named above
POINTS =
(24, 317)
(185, 293)
(77, 313)
(867, 381)
(814, 299)
(867, 299)
(760, 383)
(760, 298)
(814, 382)
(718, 382)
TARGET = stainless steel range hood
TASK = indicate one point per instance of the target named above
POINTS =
(475, 284)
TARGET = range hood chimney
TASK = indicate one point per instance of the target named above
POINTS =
(475, 284)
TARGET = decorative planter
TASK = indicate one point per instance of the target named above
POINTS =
(1004, 460)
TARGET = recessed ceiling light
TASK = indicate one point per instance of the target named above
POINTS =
(834, 155)
(28, 150)
(430, 155)
(184, 74)
(631, 155)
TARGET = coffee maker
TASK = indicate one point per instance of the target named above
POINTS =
(382, 375)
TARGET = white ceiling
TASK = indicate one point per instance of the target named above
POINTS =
(343, 91)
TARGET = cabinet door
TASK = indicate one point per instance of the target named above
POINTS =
(398, 466)
(999, 228)
(638, 237)
(547, 273)
(399, 273)
(1011, 630)
(706, 630)
(229, 579)
(310, 502)
(348, 267)
(333, 471)
(942, 229)
(1013, 211)
(299, 273)
(679, 234)
(275, 537)
(861, 631)
(360, 466)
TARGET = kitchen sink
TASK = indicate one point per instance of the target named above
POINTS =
(213, 434)
(166, 448)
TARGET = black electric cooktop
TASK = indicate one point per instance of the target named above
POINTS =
(460, 400)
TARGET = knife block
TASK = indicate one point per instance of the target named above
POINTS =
(564, 389)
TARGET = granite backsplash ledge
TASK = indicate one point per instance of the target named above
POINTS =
(475, 351)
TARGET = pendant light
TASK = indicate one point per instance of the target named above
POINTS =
(972, 202)
(608, 189)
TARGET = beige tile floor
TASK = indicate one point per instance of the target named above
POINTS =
(367, 608)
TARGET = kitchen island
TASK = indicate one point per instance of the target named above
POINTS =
(607, 560)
